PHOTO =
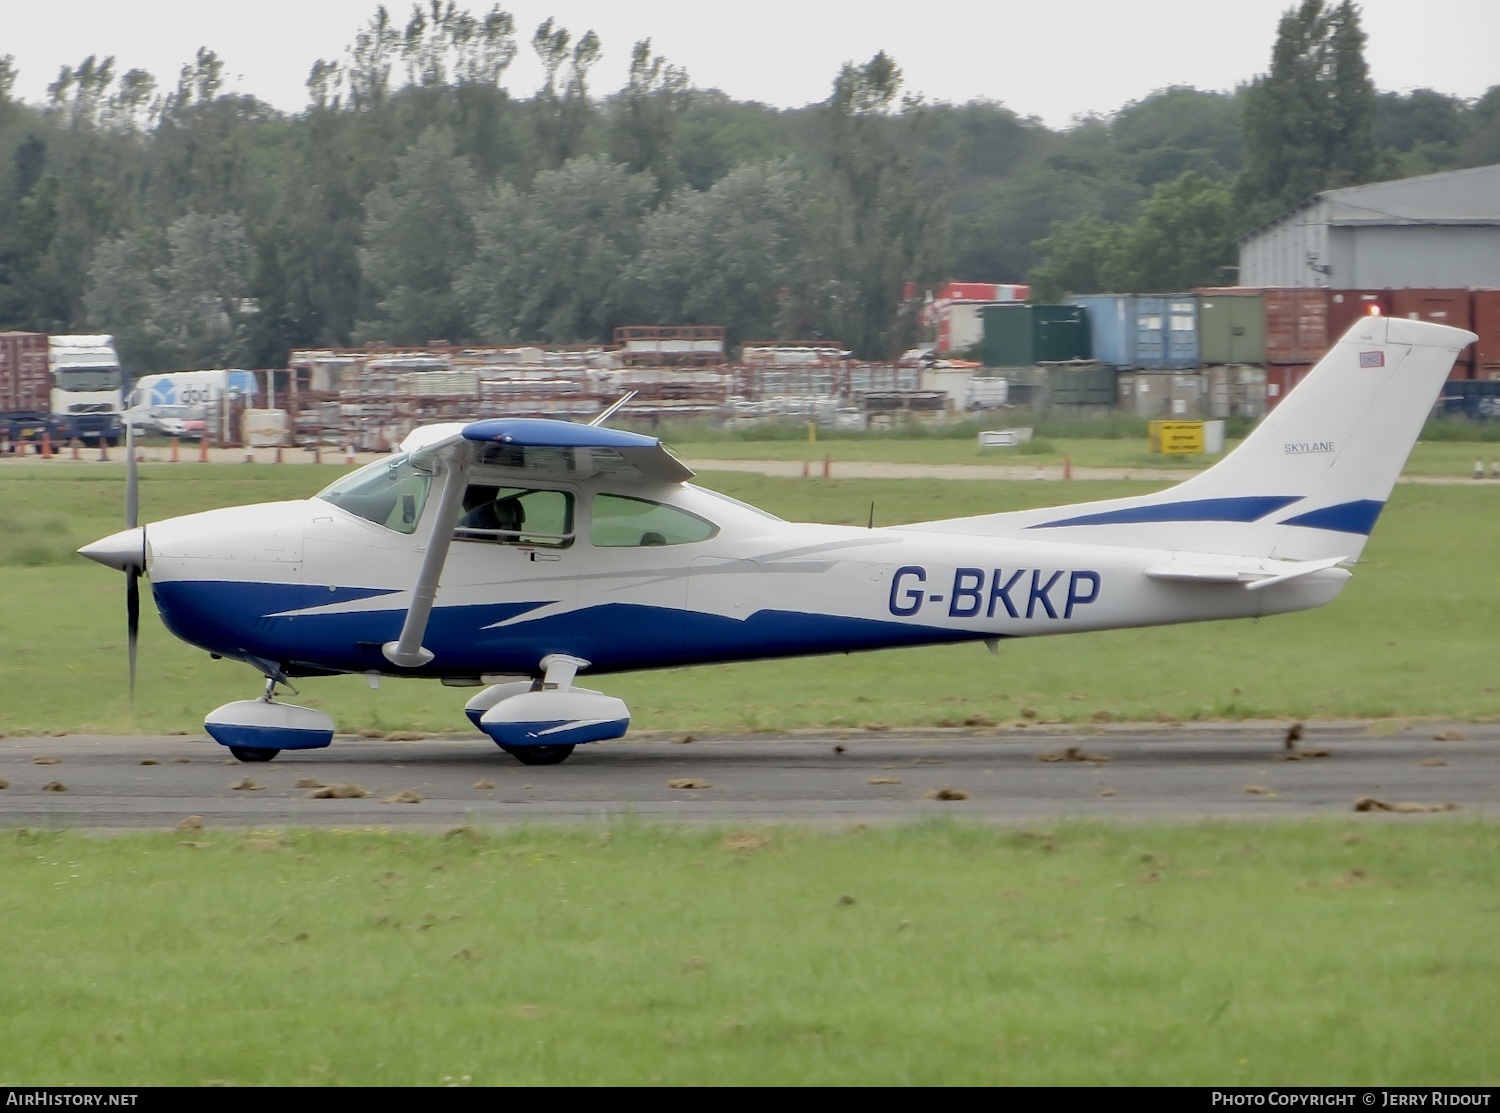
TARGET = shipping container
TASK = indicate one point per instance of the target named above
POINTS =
(1441, 307)
(1092, 386)
(1111, 320)
(1347, 306)
(1477, 401)
(1025, 335)
(1232, 325)
(1486, 322)
(25, 375)
(1235, 390)
(1281, 378)
(1296, 324)
(1167, 330)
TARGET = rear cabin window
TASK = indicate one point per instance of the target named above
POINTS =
(516, 516)
(621, 522)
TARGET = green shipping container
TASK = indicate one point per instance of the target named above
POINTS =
(1082, 386)
(1025, 335)
(1232, 326)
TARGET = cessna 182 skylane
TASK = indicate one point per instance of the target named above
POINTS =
(514, 554)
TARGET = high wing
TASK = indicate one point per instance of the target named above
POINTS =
(542, 444)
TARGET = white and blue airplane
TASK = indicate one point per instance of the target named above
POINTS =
(513, 554)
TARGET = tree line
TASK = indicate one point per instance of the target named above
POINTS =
(416, 198)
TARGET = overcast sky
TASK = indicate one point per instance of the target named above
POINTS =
(1052, 60)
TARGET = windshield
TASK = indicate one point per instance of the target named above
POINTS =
(390, 493)
(88, 378)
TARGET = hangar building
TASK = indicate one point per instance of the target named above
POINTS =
(1439, 230)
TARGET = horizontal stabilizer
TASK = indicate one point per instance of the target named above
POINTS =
(1266, 573)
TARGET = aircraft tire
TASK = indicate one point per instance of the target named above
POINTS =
(252, 753)
(539, 755)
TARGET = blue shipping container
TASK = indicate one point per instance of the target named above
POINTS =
(1182, 330)
(1167, 331)
(1111, 321)
(1475, 399)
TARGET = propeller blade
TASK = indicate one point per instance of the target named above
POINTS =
(132, 621)
(132, 480)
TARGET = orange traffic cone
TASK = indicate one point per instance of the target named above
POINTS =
(1067, 466)
(827, 466)
(176, 450)
(348, 454)
(103, 447)
(203, 451)
(75, 445)
(47, 444)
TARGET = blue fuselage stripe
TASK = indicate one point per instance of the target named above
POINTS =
(242, 620)
(1248, 508)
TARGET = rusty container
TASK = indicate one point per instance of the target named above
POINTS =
(25, 376)
(1347, 306)
(1485, 320)
(1441, 307)
(1281, 378)
(1296, 324)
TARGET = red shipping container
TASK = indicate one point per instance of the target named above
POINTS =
(25, 377)
(1281, 378)
(1296, 324)
(1441, 307)
(1486, 322)
(1347, 306)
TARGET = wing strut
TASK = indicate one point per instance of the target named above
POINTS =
(407, 650)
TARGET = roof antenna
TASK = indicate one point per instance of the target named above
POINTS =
(872, 515)
(605, 414)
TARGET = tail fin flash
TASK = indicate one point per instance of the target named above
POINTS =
(1308, 483)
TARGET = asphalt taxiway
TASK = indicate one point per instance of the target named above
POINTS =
(1132, 773)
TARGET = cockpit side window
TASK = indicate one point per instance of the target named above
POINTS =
(618, 521)
(390, 493)
(515, 516)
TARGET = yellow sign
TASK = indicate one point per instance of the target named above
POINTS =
(1176, 438)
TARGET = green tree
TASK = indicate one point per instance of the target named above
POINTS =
(729, 256)
(1308, 121)
(418, 235)
(552, 264)
(644, 117)
(121, 300)
(1077, 257)
(1183, 237)
(880, 228)
(561, 110)
(202, 291)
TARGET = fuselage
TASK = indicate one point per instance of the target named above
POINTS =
(632, 576)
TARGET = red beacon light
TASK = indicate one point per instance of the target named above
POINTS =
(1374, 311)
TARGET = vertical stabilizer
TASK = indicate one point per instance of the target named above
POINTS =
(1311, 479)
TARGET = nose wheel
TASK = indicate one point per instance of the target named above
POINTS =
(538, 755)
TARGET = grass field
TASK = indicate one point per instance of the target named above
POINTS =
(1298, 954)
(1413, 634)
